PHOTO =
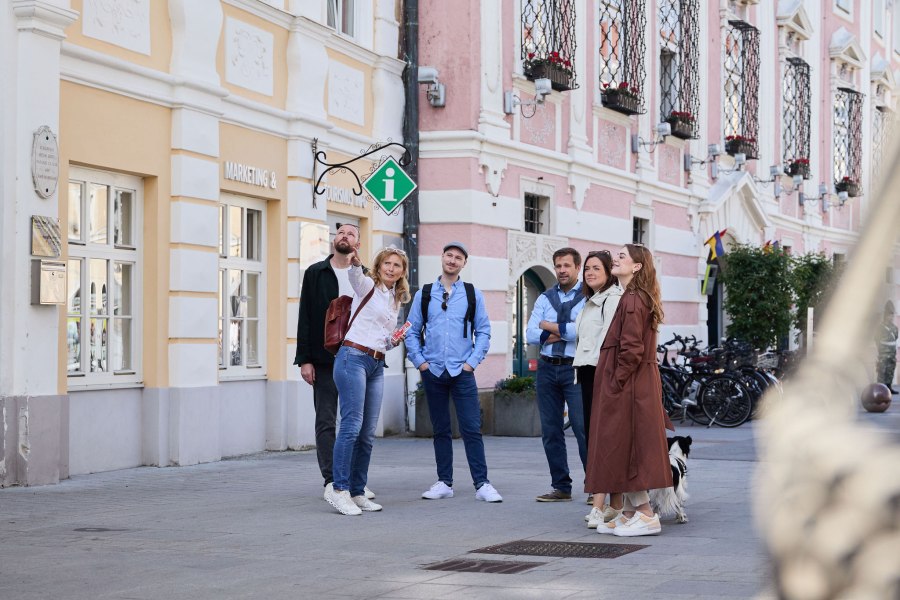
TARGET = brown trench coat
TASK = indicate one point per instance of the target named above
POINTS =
(627, 448)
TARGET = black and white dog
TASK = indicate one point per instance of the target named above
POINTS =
(669, 501)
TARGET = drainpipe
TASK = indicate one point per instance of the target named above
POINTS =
(409, 47)
(410, 50)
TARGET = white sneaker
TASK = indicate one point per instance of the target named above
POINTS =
(329, 489)
(438, 491)
(639, 524)
(610, 527)
(487, 493)
(365, 504)
(369, 493)
(594, 518)
(608, 512)
(341, 501)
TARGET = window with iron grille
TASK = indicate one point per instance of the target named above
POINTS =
(548, 42)
(639, 229)
(534, 213)
(847, 141)
(795, 127)
(622, 49)
(679, 66)
(742, 89)
(882, 128)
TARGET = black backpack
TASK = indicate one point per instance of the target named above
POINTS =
(468, 322)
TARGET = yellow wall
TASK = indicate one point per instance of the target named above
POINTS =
(114, 133)
(160, 38)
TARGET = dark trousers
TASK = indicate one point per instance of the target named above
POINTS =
(325, 401)
(586, 381)
(464, 390)
(556, 386)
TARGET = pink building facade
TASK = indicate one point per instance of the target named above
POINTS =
(796, 96)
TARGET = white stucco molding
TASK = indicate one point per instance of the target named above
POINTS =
(845, 48)
(792, 16)
(527, 251)
(736, 204)
(43, 18)
(881, 72)
(264, 10)
(196, 27)
(494, 168)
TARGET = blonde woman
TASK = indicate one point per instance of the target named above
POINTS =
(628, 449)
(359, 374)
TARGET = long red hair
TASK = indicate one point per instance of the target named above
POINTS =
(645, 280)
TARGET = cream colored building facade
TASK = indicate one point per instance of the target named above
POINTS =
(186, 219)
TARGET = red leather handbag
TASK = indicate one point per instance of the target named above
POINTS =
(338, 320)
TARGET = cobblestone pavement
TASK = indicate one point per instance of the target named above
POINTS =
(257, 527)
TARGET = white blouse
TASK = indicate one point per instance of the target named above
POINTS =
(377, 319)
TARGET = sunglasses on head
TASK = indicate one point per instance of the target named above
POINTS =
(446, 298)
(599, 253)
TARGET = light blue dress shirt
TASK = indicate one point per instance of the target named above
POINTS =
(544, 311)
(445, 346)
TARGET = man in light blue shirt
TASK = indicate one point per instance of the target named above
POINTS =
(552, 327)
(446, 342)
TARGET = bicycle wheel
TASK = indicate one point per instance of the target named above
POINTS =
(725, 401)
(670, 399)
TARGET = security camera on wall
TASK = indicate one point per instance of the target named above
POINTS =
(542, 88)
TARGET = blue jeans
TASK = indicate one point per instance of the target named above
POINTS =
(556, 385)
(468, 416)
(360, 382)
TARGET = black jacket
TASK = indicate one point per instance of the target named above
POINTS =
(320, 287)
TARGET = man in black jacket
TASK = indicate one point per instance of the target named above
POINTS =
(323, 282)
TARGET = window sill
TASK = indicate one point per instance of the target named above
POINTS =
(243, 377)
(99, 387)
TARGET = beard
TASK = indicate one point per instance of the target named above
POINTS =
(343, 247)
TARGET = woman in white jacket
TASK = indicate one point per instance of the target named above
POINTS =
(603, 293)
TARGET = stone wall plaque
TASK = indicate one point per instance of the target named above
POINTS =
(45, 238)
(44, 162)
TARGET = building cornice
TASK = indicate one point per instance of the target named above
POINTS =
(264, 11)
(43, 18)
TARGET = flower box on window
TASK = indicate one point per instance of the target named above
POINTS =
(848, 185)
(622, 98)
(799, 166)
(556, 68)
(736, 144)
(682, 124)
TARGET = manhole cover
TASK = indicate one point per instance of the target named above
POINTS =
(502, 567)
(561, 549)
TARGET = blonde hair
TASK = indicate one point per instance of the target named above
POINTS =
(401, 288)
(645, 280)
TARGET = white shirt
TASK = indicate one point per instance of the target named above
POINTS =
(343, 277)
(377, 319)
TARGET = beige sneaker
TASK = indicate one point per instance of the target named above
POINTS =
(639, 524)
(340, 500)
(365, 504)
(610, 527)
(369, 493)
(610, 513)
(594, 518)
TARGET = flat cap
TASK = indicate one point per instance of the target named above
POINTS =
(458, 246)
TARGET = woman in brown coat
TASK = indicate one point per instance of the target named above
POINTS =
(629, 454)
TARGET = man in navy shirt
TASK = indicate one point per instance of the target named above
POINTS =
(552, 327)
(454, 343)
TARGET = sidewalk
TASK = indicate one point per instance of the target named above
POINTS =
(257, 527)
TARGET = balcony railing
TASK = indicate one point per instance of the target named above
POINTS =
(742, 89)
(548, 42)
(622, 49)
(680, 66)
(796, 120)
(848, 141)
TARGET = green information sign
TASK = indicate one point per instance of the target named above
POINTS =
(389, 185)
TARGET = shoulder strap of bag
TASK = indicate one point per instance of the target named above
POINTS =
(359, 308)
(426, 300)
(470, 313)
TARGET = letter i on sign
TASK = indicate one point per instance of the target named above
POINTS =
(389, 186)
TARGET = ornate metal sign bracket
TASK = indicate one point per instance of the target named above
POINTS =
(320, 157)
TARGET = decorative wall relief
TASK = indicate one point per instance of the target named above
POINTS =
(346, 93)
(668, 158)
(125, 23)
(611, 144)
(248, 57)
